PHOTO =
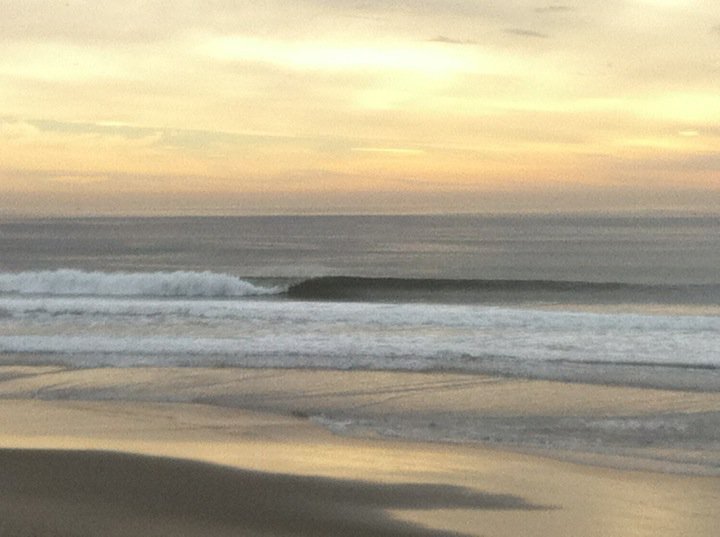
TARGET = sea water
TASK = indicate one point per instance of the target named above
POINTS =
(611, 299)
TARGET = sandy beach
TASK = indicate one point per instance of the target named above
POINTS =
(90, 467)
(106, 493)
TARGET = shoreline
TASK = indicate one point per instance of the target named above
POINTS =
(616, 426)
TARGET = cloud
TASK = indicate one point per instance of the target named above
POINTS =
(152, 21)
(699, 162)
(16, 129)
(309, 55)
(449, 8)
(79, 23)
(555, 8)
(389, 150)
(525, 33)
(451, 41)
(78, 179)
(149, 21)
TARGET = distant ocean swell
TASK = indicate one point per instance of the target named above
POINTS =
(72, 282)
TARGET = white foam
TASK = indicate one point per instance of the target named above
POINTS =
(376, 336)
(195, 329)
(653, 424)
(169, 284)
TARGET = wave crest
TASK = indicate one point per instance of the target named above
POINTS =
(170, 284)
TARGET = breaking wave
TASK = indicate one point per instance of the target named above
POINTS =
(189, 284)
(162, 284)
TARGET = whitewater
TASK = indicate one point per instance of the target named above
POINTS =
(177, 283)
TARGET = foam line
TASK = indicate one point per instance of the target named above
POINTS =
(166, 284)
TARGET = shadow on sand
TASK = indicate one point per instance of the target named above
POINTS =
(87, 493)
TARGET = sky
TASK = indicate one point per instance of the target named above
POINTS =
(359, 106)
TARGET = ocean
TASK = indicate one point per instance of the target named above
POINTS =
(621, 300)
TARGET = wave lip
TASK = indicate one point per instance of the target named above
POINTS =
(163, 283)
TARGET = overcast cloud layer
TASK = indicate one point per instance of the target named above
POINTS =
(331, 106)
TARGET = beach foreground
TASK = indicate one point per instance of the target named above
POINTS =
(105, 493)
(143, 468)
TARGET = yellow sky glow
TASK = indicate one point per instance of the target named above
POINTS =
(425, 58)
(311, 107)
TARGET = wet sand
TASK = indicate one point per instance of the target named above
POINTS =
(131, 468)
(625, 427)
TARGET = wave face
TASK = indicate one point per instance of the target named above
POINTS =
(66, 282)
(482, 291)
